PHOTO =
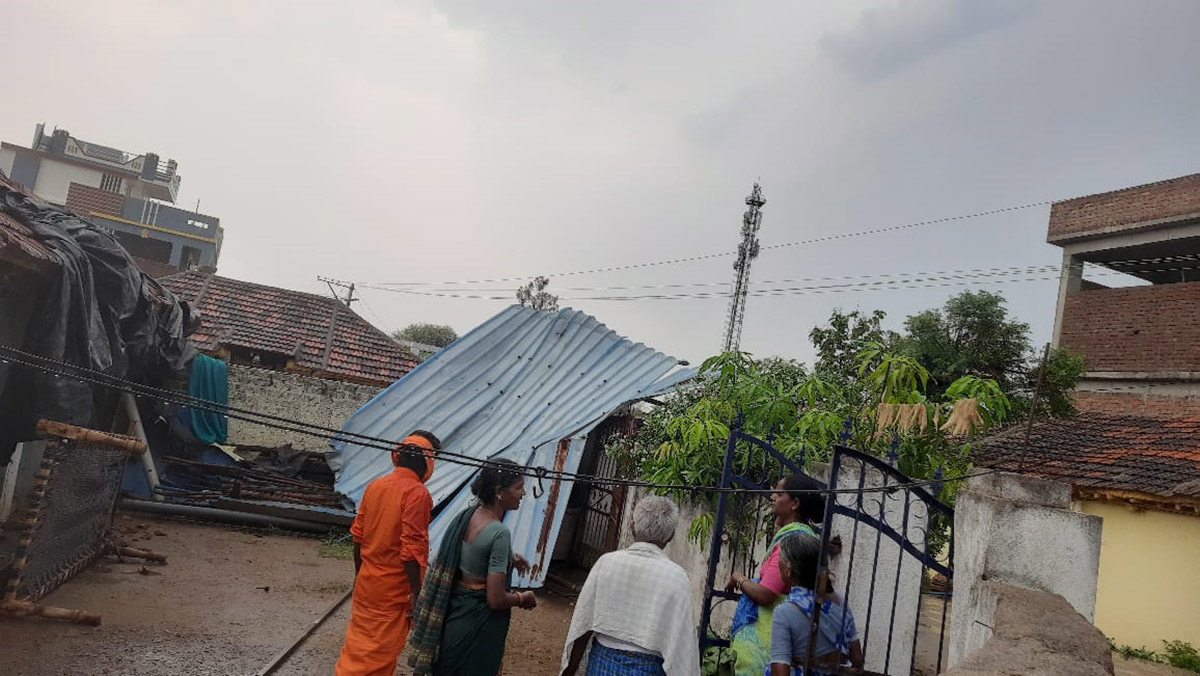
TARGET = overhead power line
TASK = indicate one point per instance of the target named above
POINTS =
(879, 282)
(725, 285)
(725, 254)
(1130, 262)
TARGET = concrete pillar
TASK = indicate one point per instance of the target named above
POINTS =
(58, 142)
(1020, 531)
(1069, 282)
(150, 167)
(176, 252)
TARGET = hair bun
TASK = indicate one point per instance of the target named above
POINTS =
(495, 476)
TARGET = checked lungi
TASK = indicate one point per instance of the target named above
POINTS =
(605, 661)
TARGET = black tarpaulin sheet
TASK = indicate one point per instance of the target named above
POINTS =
(100, 311)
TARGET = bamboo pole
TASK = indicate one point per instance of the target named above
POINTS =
(134, 552)
(80, 434)
(27, 609)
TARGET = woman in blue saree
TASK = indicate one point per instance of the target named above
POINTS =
(796, 648)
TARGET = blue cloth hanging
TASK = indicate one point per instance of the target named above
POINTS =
(209, 381)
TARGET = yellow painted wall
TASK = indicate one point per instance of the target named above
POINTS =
(1149, 588)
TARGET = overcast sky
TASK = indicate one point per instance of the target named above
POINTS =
(425, 142)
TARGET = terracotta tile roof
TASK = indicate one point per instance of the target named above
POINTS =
(320, 334)
(154, 268)
(1154, 455)
(18, 238)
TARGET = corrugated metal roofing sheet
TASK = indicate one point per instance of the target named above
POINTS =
(512, 388)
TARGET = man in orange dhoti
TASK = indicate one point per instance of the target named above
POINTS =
(391, 552)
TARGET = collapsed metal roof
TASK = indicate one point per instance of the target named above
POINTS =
(526, 386)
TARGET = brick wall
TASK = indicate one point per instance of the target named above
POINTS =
(314, 400)
(1113, 210)
(1135, 403)
(84, 199)
(1139, 329)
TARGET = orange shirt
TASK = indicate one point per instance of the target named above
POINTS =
(392, 526)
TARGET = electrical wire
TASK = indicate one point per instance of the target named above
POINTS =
(724, 254)
(1032, 268)
(367, 306)
(62, 369)
(887, 281)
(1000, 270)
(911, 283)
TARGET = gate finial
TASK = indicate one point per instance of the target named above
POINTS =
(937, 481)
(846, 429)
(893, 453)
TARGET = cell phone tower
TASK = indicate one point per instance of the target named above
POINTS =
(747, 252)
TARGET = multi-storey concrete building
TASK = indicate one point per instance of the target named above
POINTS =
(1141, 343)
(133, 196)
(1132, 455)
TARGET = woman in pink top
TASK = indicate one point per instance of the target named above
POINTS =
(796, 507)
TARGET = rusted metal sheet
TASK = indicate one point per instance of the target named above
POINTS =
(560, 462)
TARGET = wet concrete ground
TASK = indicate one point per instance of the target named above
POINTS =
(207, 613)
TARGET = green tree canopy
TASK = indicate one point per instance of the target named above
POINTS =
(927, 393)
(971, 334)
(839, 341)
(437, 335)
(535, 295)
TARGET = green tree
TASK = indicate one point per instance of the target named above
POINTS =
(437, 335)
(1063, 369)
(860, 367)
(971, 334)
(839, 341)
(534, 295)
(683, 442)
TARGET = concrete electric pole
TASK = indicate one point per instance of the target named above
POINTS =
(349, 286)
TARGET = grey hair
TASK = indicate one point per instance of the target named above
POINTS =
(655, 519)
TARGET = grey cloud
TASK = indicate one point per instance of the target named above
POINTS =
(411, 141)
(889, 39)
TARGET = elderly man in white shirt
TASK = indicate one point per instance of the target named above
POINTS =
(634, 614)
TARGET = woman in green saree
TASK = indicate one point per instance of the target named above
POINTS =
(797, 509)
(461, 618)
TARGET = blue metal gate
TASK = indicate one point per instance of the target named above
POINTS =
(754, 464)
(896, 534)
(884, 536)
